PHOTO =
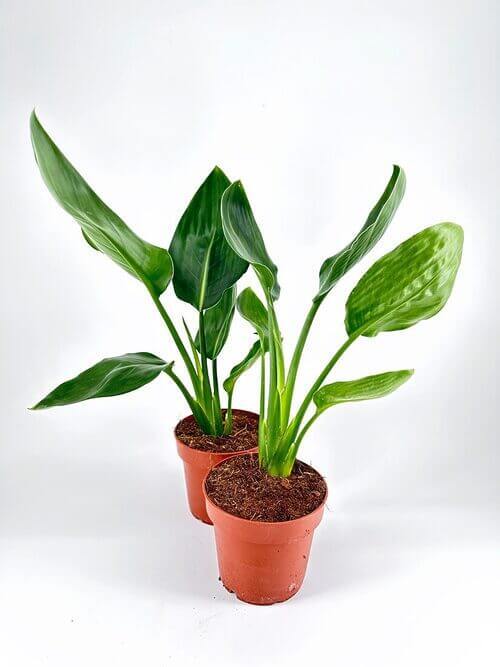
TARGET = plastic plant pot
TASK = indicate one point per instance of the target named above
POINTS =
(262, 562)
(197, 465)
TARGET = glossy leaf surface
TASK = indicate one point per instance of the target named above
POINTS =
(377, 222)
(205, 265)
(409, 284)
(253, 310)
(102, 228)
(109, 377)
(363, 389)
(217, 324)
(246, 363)
(243, 235)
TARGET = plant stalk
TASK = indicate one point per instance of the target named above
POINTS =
(177, 340)
(297, 355)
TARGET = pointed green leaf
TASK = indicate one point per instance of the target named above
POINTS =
(101, 227)
(363, 389)
(109, 377)
(253, 310)
(243, 235)
(205, 265)
(217, 324)
(377, 222)
(409, 284)
(246, 363)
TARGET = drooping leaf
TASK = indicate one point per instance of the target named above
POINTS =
(246, 363)
(109, 377)
(377, 222)
(102, 228)
(205, 265)
(253, 310)
(217, 324)
(409, 284)
(363, 389)
(243, 235)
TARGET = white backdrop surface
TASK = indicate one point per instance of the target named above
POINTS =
(309, 104)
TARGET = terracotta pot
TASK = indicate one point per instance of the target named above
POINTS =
(262, 562)
(197, 465)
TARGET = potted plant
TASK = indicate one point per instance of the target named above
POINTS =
(204, 270)
(265, 507)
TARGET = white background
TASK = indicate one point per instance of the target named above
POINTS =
(309, 104)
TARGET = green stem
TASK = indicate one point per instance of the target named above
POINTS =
(319, 381)
(300, 437)
(228, 422)
(216, 400)
(263, 453)
(207, 389)
(295, 362)
(280, 362)
(177, 339)
(273, 384)
(194, 351)
(196, 409)
(262, 407)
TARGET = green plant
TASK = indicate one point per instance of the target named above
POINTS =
(409, 284)
(202, 266)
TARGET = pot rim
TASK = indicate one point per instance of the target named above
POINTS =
(216, 452)
(250, 522)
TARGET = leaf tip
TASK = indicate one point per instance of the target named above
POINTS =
(35, 124)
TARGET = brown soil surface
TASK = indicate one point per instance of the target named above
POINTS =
(239, 486)
(244, 434)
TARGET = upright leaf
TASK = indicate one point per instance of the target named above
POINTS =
(363, 389)
(377, 222)
(409, 284)
(205, 265)
(109, 377)
(244, 237)
(217, 324)
(246, 363)
(101, 227)
(253, 310)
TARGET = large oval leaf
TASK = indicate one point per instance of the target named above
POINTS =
(101, 227)
(409, 284)
(377, 222)
(205, 265)
(109, 377)
(243, 235)
(253, 310)
(363, 389)
(217, 324)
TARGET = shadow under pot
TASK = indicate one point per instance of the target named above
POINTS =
(263, 526)
(200, 453)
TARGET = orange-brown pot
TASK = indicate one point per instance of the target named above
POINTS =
(262, 562)
(197, 465)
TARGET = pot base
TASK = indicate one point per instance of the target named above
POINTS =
(260, 603)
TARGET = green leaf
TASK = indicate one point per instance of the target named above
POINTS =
(205, 265)
(244, 237)
(377, 222)
(101, 227)
(244, 365)
(217, 324)
(109, 377)
(364, 389)
(253, 310)
(409, 284)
